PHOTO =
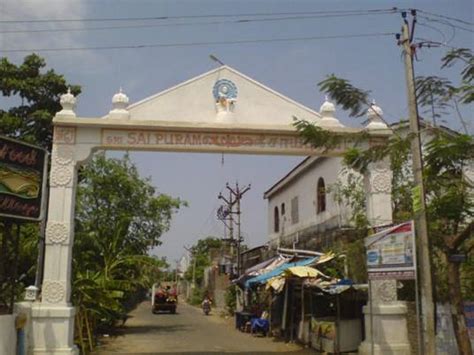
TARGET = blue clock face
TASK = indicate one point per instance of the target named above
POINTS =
(224, 88)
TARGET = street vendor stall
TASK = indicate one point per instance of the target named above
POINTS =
(336, 320)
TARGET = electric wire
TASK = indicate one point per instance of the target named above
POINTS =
(445, 17)
(193, 44)
(436, 30)
(239, 21)
(446, 23)
(151, 18)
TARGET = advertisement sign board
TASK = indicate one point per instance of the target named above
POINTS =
(22, 180)
(391, 253)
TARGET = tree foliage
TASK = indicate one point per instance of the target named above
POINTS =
(30, 97)
(34, 96)
(119, 217)
(448, 156)
(201, 258)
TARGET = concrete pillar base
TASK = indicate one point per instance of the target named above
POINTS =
(390, 334)
(67, 351)
(53, 329)
(384, 349)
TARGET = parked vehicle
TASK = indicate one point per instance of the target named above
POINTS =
(164, 298)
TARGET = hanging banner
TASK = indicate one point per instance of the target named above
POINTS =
(391, 253)
(22, 180)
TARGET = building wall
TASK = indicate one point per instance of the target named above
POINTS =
(304, 187)
(7, 334)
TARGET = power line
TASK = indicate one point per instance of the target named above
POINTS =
(152, 18)
(446, 23)
(446, 17)
(238, 21)
(191, 44)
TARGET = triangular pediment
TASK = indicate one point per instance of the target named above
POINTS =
(222, 95)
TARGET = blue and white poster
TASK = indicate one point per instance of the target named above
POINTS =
(391, 253)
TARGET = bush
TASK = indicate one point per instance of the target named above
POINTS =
(230, 299)
(197, 296)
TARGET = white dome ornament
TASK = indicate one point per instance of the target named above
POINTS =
(68, 103)
(119, 106)
(374, 115)
(328, 118)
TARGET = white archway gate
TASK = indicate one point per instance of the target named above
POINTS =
(188, 118)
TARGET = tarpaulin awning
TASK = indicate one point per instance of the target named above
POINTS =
(303, 271)
(256, 269)
(277, 271)
(277, 283)
(334, 287)
(259, 269)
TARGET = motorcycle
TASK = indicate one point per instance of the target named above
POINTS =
(206, 306)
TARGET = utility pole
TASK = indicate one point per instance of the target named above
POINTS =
(225, 214)
(191, 252)
(419, 203)
(237, 193)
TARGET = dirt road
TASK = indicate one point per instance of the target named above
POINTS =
(187, 332)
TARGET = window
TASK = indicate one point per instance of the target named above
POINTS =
(294, 210)
(321, 196)
(282, 209)
(276, 220)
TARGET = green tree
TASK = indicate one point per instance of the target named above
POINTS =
(34, 94)
(201, 257)
(30, 99)
(119, 217)
(450, 200)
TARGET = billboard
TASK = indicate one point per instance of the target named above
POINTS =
(391, 253)
(22, 180)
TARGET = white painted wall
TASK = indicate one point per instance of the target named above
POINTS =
(305, 186)
(7, 334)
(193, 101)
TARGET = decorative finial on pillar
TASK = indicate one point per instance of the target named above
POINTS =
(374, 115)
(119, 106)
(31, 293)
(68, 103)
(328, 118)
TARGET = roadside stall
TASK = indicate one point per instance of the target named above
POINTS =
(283, 284)
(336, 315)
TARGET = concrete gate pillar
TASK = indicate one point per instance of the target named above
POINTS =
(388, 317)
(53, 318)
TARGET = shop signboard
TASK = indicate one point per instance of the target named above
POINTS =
(391, 253)
(22, 180)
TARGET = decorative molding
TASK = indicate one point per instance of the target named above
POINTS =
(63, 154)
(64, 135)
(382, 182)
(469, 172)
(385, 291)
(53, 291)
(57, 232)
(224, 88)
(61, 176)
(380, 166)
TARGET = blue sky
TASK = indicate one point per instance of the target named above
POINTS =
(293, 68)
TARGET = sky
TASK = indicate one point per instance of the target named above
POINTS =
(177, 48)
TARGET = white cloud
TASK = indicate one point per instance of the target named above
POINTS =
(45, 10)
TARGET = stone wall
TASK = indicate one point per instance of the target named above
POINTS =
(7, 334)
